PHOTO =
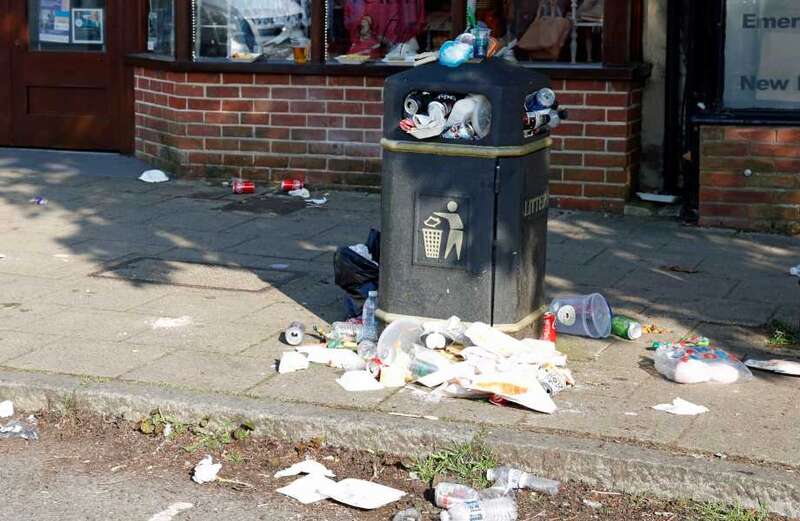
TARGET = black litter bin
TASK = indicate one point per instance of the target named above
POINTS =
(464, 223)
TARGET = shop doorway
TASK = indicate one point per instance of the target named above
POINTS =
(64, 60)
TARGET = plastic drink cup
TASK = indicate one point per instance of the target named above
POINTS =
(300, 50)
(583, 315)
(481, 46)
(626, 327)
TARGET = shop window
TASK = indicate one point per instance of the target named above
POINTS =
(547, 30)
(161, 27)
(67, 25)
(250, 30)
(761, 66)
(388, 31)
(392, 31)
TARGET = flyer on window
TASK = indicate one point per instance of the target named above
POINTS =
(54, 21)
(87, 26)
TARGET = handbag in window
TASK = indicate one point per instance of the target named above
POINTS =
(547, 34)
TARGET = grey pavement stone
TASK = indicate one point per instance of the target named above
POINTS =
(89, 324)
(87, 358)
(229, 336)
(16, 343)
(672, 284)
(579, 348)
(720, 311)
(782, 290)
(203, 371)
(103, 294)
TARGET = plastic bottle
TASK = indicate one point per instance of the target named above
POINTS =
(367, 349)
(368, 317)
(512, 478)
(497, 509)
(348, 329)
(447, 494)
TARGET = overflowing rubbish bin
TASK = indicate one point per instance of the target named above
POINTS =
(465, 194)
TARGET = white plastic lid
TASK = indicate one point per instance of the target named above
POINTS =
(373, 293)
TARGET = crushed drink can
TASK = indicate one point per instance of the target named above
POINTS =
(242, 186)
(549, 327)
(295, 333)
(287, 185)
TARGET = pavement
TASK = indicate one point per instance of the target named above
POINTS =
(86, 278)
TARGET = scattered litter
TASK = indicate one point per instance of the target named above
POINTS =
(509, 478)
(355, 381)
(171, 511)
(168, 430)
(795, 271)
(681, 407)
(278, 266)
(300, 192)
(168, 323)
(2, 256)
(409, 514)
(408, 415)
(362, 494)
(720, 455)
(288, 185)
(517, 387)
(206, 470)
(338, 358)
(307, 489)
(694, 361)
(17, 429)
(680, 269)
(631, 414)
(62, 256)
(39, 201)
(583, 315)
(775, 365)
(242, 186)
(357, 275)
(626, 327)
(492, 508)
(653, 329)
(6, 409)
(295, 333)
(308, 466)
(153, 176)
(315, 203)
(592, 504)
(292, 361)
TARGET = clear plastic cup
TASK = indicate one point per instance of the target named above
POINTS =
(583, 315)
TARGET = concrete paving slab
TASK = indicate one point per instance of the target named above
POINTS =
(671, 284)
(77, 356)
(317, 385)
(228, 337)
(781, 290)
(16, 343)
(90, 324)
(581, 349)
(103, 294)
(208, 371)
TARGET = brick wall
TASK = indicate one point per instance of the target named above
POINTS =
(327, 129)
(769, 199)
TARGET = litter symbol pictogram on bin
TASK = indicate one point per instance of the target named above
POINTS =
(433, 242)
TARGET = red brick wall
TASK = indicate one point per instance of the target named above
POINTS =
(767, 200)
(327, 129)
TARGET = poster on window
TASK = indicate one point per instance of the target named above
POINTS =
(54, 21)
(87, 26)
(761, 65)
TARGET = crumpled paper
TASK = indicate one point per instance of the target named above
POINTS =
(681, 407)
(206, 470)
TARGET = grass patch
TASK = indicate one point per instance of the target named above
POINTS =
(782, 334)
(463, 462)
(720, 512)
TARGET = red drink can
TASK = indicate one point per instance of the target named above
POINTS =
(549, 327)
(287, 185)
(241, 186)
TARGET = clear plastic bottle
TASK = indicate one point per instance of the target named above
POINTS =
(448, 494)
(347, 329)
(367, 349)
(502, 508)
(511, 478)
(368, 317)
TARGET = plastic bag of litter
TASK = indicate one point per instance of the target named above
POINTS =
(356, 274)
(690, 364)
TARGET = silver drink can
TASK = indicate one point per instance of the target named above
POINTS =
(295, 333)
